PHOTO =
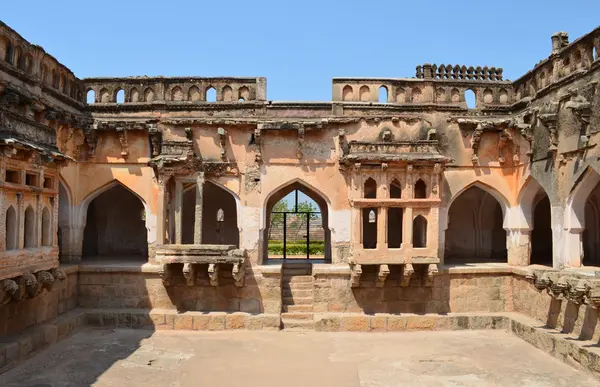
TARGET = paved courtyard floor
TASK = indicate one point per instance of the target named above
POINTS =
(129, 358)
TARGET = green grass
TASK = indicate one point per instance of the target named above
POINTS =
(295, 248)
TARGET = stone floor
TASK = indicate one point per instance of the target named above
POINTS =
(143, 358)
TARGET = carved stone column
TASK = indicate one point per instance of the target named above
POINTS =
(407, 231)
(178, 210)
(382, 228)
(198, 209)
(161, 210)
(21, 219)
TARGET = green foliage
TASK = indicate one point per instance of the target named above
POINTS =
(316, 248)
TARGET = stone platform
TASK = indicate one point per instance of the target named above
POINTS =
(117, 357)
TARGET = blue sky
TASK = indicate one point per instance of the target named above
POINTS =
(298, 46)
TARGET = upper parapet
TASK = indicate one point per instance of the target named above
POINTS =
(176, 89)
(33, 64)
(459, 73)
(565, 61)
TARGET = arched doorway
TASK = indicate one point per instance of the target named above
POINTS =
(591, 232)
(115, 227)
(541, 235)
(219, 215)
(63, 220)
(475, 232)
(297, 226)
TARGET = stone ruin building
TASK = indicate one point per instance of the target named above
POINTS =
(151, 202)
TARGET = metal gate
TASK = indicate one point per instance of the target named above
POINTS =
(296, 233)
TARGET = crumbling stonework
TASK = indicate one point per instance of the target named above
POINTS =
(161, 197)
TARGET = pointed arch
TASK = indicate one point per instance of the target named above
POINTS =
(46, 227)
(500, 198)
(12, 229)
(134, 95)
(311, 192)
(116, 222)
(148, 94)
(29, 228)
(480, 210)
(528, 197)
(420, 189)
(582, 221)
(419, 232)
(227, 93)
(370, 189)
(395, 189)
(194, 94)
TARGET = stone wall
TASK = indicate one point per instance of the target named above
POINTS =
(115, 288)
(16, 317)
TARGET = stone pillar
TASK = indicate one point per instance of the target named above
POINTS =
(72, 242)
(161, 210)
(518, 246)
(178, 210)
(38, 221)
(54, 221)
(20, 220)
(3, 220)
(407, 231)
(382, 228)
(356, 226)
(198, 209)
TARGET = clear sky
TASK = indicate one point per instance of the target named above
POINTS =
(298, 45)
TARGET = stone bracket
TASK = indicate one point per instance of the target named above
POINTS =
(355, 273)
(166, 274)
(257, 146)
(31, 284)
(432, 271)
(124, 143)
(155, 140)
(565, 286)
(382, 275)
(223, 143)
(213, 274)
(300, 151)
(407, 273)
(189, 273)
(239, 273)
(46, 279)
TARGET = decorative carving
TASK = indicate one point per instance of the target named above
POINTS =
(124, 143)
(189, 273)
(155, 140)
(45, 279)
(429, 71)
(238, 274)
(91, 140)
(58, 274)
(558, 286)
(578, 290)
(504, 137)
(432, 271)
(165, 272)
(382, 275)
(342, 141)
(223, 142)
(189, 134)
(548, 115)
(31, 284)
(300, 151)
(257, 145)
(355, 273)
(407, 273)
(9, 290)
(582, 110)
(213, 274)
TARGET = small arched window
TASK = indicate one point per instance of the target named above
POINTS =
(470, 99)
(211, 95)
(420, 190)
(383, 94)
(29, 227)
(11, 229)
(46, 228)
(420, 232)
(370, 189)
(91, 96)
(395, 189)
(148, 95)
(347, 93)
(120, 98)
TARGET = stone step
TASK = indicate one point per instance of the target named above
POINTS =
(297, 308)
(297, 316)
(297, 286)
(297, 292)
(297, 271)
(297, 300)
(297, 278)
(298, 324)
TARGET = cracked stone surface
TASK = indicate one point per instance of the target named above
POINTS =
(100, 357)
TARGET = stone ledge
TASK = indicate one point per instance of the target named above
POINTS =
(270, 270)
(168, 319)
(18, 348)
(331, 270)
